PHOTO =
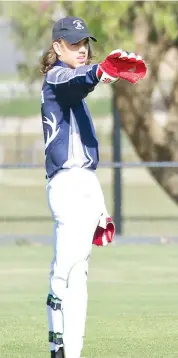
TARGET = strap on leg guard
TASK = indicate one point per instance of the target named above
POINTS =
(58, 354)
(56, 338)
(53, 302)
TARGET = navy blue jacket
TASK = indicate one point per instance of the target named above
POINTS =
(69, 135)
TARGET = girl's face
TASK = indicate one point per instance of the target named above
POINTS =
(73, 55)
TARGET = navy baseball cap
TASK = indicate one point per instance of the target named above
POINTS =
(72, 29)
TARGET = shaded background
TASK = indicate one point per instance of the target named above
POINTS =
(148, 204)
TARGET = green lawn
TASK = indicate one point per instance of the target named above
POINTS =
(133, 306)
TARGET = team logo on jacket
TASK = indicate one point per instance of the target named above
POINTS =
(78, 24)
(53, 132)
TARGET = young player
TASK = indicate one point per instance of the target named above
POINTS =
(71, 156)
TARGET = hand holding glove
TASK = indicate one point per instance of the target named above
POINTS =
(121, 65)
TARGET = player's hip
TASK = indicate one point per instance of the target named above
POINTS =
(73, 190)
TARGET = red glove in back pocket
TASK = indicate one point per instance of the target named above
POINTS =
(104, 232)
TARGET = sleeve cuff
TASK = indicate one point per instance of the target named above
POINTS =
(94, 72)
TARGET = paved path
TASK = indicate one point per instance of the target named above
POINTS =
(46, 240)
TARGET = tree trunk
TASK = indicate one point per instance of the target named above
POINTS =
(154, 138)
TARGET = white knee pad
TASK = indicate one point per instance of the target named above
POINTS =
(78, 275)
(58, 286)
(77, 278)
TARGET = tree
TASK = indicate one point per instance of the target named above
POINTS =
(150, 29)
(31, 23)
(146, 27)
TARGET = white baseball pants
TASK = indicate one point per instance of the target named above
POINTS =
(76, 202)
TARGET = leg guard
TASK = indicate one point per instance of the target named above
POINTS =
(55, 322)
(75, 309)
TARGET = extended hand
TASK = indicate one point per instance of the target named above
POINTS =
(121, 65)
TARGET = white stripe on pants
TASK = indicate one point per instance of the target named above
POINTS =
(76, 202)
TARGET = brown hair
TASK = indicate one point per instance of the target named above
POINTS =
(50, 57)
(48, 60)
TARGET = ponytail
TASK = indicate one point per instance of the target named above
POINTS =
(48, 60)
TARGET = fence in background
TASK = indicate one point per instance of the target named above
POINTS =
(146, 210)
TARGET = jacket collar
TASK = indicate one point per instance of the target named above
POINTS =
(60, 63)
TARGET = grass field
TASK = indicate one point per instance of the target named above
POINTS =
(133, 306)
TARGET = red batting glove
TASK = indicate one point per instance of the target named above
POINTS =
(121, 65)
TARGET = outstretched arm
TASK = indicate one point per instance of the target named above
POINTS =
(62, 76)
(80, 81)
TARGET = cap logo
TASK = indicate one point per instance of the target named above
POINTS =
(78, 24)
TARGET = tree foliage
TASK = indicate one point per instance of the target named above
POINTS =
(115, 23)
(150, 29)
(145, 27)
(31, 23)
